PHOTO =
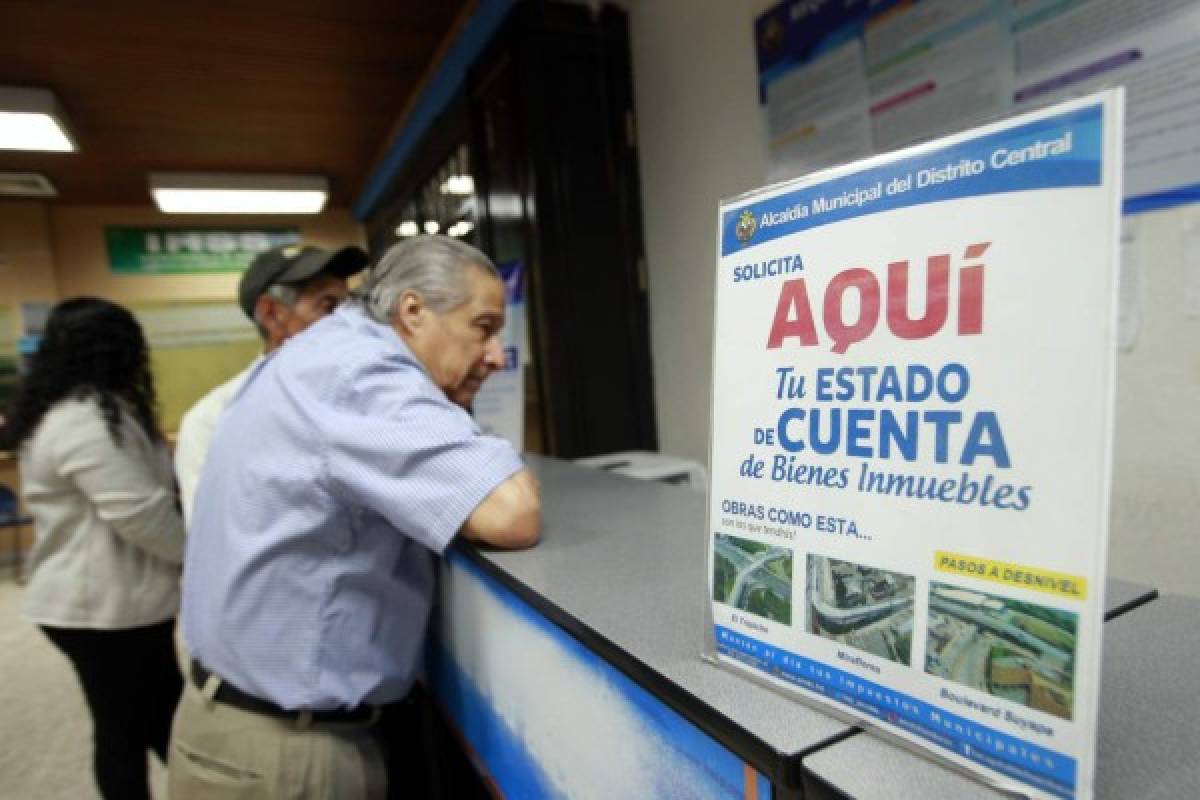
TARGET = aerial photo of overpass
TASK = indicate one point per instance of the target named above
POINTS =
(753, 576)
(869, 609)
(1013, 650)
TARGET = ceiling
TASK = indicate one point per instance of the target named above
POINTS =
(265, 86)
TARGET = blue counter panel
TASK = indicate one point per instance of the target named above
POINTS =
(546, 717)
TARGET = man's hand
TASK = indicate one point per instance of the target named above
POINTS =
(509, 517)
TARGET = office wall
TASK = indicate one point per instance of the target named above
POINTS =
(699, 140)
(700, 137)
(49, 252)
(26, 254)
(81, 258)
(1156, 476)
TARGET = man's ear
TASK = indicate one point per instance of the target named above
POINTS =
(266, 312)
(271, 314)
(408, 315)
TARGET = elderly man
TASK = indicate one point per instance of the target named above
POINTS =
(336, 473)
(284, 290)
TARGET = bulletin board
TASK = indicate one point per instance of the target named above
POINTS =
(194, 347)
(844, 79)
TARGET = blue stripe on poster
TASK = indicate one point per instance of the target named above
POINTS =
(1054, 152)
(672, 756)
(1035, 765)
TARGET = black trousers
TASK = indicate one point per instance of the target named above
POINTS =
(132, 684)
(425, 759)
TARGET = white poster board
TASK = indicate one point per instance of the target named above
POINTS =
(912, 438)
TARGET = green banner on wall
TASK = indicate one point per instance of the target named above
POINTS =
(176, 251)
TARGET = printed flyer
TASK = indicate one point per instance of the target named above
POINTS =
(913, 382)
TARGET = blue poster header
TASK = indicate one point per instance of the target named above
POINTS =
(1050, 153)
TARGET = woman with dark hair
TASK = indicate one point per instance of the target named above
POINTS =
(104, 569)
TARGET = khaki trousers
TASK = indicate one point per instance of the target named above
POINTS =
(219, 752)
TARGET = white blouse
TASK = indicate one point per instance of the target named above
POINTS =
(109, 536)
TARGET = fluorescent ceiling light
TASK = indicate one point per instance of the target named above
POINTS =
(431, 226)
(31, 119)
(458, 184)
(460, 228)
(407, 228)
(180, 193)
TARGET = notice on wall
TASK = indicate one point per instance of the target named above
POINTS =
(935, 66)
(817, 115)
(1151, 48)
(176, 251)
(913, 383)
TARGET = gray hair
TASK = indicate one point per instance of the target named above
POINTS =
(287, 294)
(434, 267)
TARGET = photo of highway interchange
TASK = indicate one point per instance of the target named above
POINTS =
(1019, 651)
(866, 608)
(753, 576)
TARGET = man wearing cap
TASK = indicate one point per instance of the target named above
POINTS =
(341, 468)
(284, 290)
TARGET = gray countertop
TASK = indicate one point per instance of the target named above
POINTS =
(621, 565)
(624, 561)
(1149, 735)
(1122, 596)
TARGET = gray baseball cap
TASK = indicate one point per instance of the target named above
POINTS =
(291, 264)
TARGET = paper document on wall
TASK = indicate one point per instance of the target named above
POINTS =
(817, 115)
(936, 66)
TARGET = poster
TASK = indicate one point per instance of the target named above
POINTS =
(913, 383)
(1152, 49)
(903, 72)
(813, 86)
(908, 71)
(936, 66)
(817, 115)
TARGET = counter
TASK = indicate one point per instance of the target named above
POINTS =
(1148, 731)
(575, 669)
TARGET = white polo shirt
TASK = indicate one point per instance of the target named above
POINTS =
(195, 432)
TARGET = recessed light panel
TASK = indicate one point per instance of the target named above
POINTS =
(179, 193)
(30, 119)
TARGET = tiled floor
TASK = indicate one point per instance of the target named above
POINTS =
(45, 733)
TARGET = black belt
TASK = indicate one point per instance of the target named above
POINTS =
(230, 695)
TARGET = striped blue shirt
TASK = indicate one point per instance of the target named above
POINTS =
(334, 475)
